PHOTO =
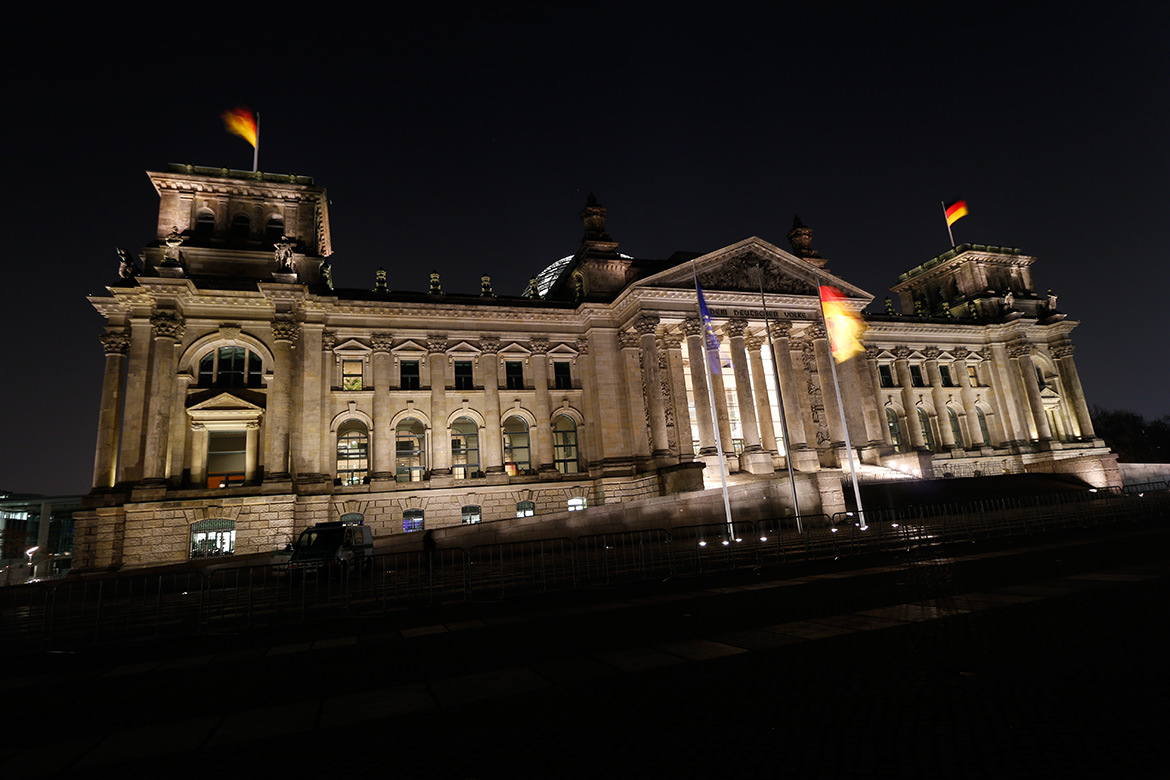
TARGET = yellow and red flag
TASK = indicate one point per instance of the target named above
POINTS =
(241, 122)
(844, 326)
(956, 211)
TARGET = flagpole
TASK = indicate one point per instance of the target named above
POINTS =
(780, 398)
(841, 408)
(947, 219)
(707, 335)
(256, 149)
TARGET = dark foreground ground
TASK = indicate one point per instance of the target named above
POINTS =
(1044, 657)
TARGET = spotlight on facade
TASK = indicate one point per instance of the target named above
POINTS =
(702, 543)
(763, 538)
(726, 542)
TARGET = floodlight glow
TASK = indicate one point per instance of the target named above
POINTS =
(763, 538)
(726, 543)
(702, 544)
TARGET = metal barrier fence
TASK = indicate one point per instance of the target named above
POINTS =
(80, 611)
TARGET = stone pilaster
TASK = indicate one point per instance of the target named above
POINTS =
(1020, 354)
(678, 393)
(167, 329)
(383, 433)
(639, 424)
(135, 408)
(492, 452)
(909, 399)
(440, 433)
(646, 326)
(1071, 382)
(276, 418)
(115, 346)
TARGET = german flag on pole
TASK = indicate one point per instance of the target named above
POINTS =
(956, 211)
(239, 121)
(844, 326)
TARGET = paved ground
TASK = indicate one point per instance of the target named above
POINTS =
(1047, 660)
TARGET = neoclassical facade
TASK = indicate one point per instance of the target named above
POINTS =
(245, 398)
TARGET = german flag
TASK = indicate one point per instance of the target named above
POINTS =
(844, 326)
(241, 122)
(956, 211)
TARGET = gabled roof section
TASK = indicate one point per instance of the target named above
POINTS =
(736, 269)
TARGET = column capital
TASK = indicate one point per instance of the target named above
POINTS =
(960, 353)
(285, 330)
(692, 326)
(539, 346)
(646, 323)
(436, 344)
(115, 343)
(1019, 349)
(753, 342)
(489, 345)
(167, 325)
(582, 346)
(781, 329)
(328, 340)
(931, 353)
(381, 342)
(901, 352)
(817, 330)
(629, 339)
(736, 327)
(1062, 350)
(871, 353)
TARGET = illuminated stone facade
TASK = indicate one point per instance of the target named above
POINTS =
(245, 398)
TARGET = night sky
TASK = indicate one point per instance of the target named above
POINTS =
(467, 143)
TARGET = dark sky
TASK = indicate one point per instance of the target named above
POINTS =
(468, 142)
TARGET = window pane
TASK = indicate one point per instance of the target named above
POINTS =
(409, 374)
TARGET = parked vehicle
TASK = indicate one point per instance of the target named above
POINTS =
(332, 548)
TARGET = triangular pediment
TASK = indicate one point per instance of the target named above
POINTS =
(737, 268)
(225, 402)
(351, 345)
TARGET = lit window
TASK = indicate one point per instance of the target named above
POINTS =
(576, 504)
(956, 430)
(353, 452)
(471, 514)
(972, 376)
(562, 375)
(464, 448)
(230, 367)
(525, 508)
(351, 374)
(514, 374)
(463, 375)
(895, 430)
(412, 520)
(924, 422)
(410, 450)
(887, 376)
(516, 459)
(213, 537)
(226, 458)
(565, 445)
(409, 374)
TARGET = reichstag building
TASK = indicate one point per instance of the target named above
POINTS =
(245, 398)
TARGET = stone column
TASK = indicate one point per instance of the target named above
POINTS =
(133, 419)
(542, 407)
(492, 452)
(440, 433)
(325, 442)
(938, 397)
(760, 394)
(697, 358)
(678, 394)
(646, 326)
(754, 459)
(177, 439)
(167, 329)
(869, 387)
(251, 451)
(828, 390)
(723, 415)
(967, 397)
(909, 402)
(1071, 381)
(312, 462)
(199, 455)
(803, 458)
(636, 404)
(105, 462)
(1020, 354)
(276, 423)
(383, 433)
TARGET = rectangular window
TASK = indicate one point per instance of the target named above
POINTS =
(525, 508)
(887, 376)
(351, 374)
(471, 514)
(562, 375)
(916, 376)
(945, 373)
(409, 374)
(412, 520)
(463, 376)
(514, 374)
(226, 458)
(972, 376)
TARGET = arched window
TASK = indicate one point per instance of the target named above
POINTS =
(274, 230)
(230, 367)
(979, 415)
(410, 450)
(241, 229)
(516, 457)
(525, 508)
(471, 514)
(353, 452)
(205, 225)
(565, 445)
(956, 430)
(213, 537)
(464, 448)
(895, 430)
(927, 435)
